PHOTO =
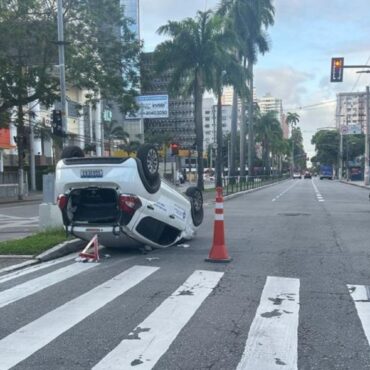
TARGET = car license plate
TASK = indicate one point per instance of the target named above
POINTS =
(91, 173)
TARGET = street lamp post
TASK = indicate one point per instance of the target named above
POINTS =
(367, 131)
(63, 99)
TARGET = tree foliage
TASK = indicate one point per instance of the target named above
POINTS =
(327, 146)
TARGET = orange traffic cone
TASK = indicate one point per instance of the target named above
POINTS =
(94, 255)
(218, 252)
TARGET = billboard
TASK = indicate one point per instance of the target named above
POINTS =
(352, 129)
(152, 106)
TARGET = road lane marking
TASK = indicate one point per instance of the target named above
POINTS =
(361, 297)
(286, 190)
(273, 336)
(319, 197)
(42, 282)
(32, 269)
(22, 343)
(147, 343)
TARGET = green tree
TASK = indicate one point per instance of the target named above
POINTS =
(112, 131)
(269, 133)
(326, 146)
(292, 120)
(99, 57)
(190, 55)
(249, 20)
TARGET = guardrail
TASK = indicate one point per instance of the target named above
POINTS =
(237, 184)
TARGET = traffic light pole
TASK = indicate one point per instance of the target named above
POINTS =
(367, 174)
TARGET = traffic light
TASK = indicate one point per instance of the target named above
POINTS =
(175, 148)
(57, 123)
(336, 74)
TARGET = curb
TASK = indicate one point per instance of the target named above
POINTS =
(357, 185)
(61, 250)
(57, 251)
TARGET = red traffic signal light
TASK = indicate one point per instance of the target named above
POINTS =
(337, 65)
(175, 148)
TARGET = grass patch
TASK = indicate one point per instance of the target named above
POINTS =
(34, 244)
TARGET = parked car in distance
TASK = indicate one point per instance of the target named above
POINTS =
(297, 175)
(123, 200)
(307, 175)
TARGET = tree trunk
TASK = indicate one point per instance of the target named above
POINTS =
(219, 159)
(234, 127)
(198, 103)
(250, 126)
(243, 134)
(20, 146)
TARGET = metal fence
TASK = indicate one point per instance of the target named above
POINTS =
(236, 184)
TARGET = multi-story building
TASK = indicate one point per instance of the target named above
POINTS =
(179, 126)
(351, 110)
(210, 121)
(269, 103)
(132, 11)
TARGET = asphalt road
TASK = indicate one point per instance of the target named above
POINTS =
(295, 295)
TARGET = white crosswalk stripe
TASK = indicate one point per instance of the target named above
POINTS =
(272, 341)
(361, 297)
(25, 341)
(35, 285)
(273, 336)
(31, 269)
(158, 330)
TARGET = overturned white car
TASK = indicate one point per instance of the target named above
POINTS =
(123, 200)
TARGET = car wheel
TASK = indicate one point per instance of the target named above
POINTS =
(149, 158)
(196, 200)
(72, 152)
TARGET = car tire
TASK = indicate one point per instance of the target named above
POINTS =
(196, 200)
(72, 152)
(151, 186)
(149, 158)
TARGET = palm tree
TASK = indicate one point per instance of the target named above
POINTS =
(269, 133)
(248, 19)
(292, 120)
(190, 55)
(114, 132)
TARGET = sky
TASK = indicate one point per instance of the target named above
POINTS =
(305, 36)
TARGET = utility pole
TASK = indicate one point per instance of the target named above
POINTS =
(340, 153)
(366, 178)
(63, 100)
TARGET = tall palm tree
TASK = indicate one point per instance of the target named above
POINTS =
(190, 55)
(292, 120)
(248, 19)
(269, 133)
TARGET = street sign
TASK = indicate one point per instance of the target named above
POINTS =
(336, 74)
(151, 106)
(351, 129)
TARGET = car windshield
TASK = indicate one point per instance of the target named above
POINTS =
(208, 164)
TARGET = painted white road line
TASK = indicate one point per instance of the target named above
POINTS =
(361, 297)
(286, 190)
(152, 338)
(29, 270)
(42, 282)
(273, 336)
(22, 343)
(319, 197)
(17, 224)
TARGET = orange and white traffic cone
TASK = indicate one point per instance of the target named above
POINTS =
(218, 252)
(94, 255)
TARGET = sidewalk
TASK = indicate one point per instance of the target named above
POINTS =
(360, 184)
(33, 196)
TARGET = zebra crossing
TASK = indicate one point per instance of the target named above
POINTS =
(272, 341)
(14, 222)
